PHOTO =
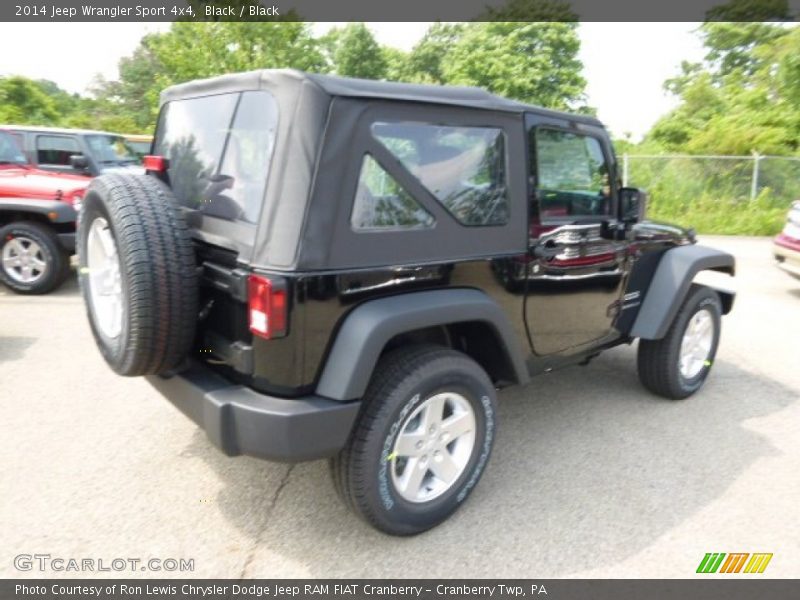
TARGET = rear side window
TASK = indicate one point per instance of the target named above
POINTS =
(463, 167)
(382, 203)
(55, 149)
(219, 150)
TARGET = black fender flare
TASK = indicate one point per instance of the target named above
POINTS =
(369, 326)
(670, 284)
(53, 210)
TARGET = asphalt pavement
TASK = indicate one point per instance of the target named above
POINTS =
(591, 476)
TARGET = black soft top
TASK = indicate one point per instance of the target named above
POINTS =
(320, 143)
(289, 80)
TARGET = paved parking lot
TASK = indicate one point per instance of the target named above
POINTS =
(590, 477)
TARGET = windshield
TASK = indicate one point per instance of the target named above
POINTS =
(10, 153)
(111, 149)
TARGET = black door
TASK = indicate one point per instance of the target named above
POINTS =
(577, 269)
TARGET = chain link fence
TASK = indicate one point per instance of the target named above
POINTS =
(731, 178)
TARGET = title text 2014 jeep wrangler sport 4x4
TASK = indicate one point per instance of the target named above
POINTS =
(325, 267)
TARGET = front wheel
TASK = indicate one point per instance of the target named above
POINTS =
(677, 365)
(33, 261)
(422, 442)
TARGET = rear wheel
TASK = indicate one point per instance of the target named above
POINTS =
(422, 442)
(677, 365)
(33, 261)
(137, 273)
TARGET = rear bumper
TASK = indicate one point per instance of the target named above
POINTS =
(239, 420)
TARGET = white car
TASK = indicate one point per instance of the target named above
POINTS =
(787, 243)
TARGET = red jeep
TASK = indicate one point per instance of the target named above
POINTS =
(38, 213)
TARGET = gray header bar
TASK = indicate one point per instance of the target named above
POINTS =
(387, 10)
(733, 588)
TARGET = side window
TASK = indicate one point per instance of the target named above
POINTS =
(572, 175)
(110, 149)
(55, 149)
(382, 203)
(463, 167)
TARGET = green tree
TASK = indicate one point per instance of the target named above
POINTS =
(744, 97)
(785, 54)
(733, 47)
(397, 64)
(22, 100)
(135, 93)
(531, 62)
(743, 11)
(425, 59)
(65, 103)
(195, 50)
(354, 52)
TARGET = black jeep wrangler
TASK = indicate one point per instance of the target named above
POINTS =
(320, 267)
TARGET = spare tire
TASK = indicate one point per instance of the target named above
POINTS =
(137, 273)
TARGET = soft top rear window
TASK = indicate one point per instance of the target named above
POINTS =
(219, 149)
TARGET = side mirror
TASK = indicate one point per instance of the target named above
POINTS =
(79, 162)
(633, 204)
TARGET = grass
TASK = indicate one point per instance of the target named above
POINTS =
(764, 215)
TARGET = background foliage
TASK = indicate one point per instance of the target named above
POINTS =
(533, 62)
(743, 98)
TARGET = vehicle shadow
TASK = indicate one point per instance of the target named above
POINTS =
(70, 287)
(13, 347)
(588, 469)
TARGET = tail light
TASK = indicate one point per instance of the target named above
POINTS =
(267, 306)
(156, 164)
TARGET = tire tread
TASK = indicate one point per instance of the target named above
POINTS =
(350, 467)
(154, 244)
(657, 359)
